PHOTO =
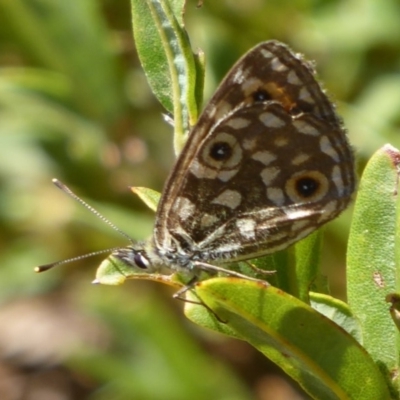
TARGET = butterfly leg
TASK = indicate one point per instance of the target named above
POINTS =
(259, 270)
(216, 269)
(189, 286)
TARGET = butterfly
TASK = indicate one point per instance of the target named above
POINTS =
(267, 163)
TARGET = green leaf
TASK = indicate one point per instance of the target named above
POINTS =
(372, 271)
(324, 359)
(112, 272)
(308, 254)
(199, 59)
(338, 312)
(167, 59)
(149, 196)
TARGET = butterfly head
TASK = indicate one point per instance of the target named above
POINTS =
(139, 261)
(135, 257)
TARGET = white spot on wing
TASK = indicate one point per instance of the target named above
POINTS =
(222, 109)
(270, 120)
(305, 128)
(300, 159)
(293, 79)
(266, 53)
(240, 75)
(228, 198)
(211, 111)
(246, 227)
(338, 180)
(269, 174)
(238, 123)
(250, 85)
(249, 144)
(276, 65)
(305, 95)
(184, 207)
(276, 195)
(225, 176)
(265, 157)
(330, 210)
(326, 147)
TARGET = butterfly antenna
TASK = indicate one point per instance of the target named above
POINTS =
(46, 267)
(70, 193)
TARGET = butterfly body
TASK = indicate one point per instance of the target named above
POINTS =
(267, 163)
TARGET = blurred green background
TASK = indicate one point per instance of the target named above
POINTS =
(74, 104)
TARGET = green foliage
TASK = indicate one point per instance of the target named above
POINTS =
(326, 361)
(168, 61)
(372, 268)
(75, 104)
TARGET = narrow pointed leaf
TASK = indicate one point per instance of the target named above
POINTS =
(149, 196)
(167, 59)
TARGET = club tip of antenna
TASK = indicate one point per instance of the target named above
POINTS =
(43, 268)
(57, 183)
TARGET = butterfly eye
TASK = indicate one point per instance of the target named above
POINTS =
(221, 151)
(307, 185)
(261, 95)
(140, 261)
